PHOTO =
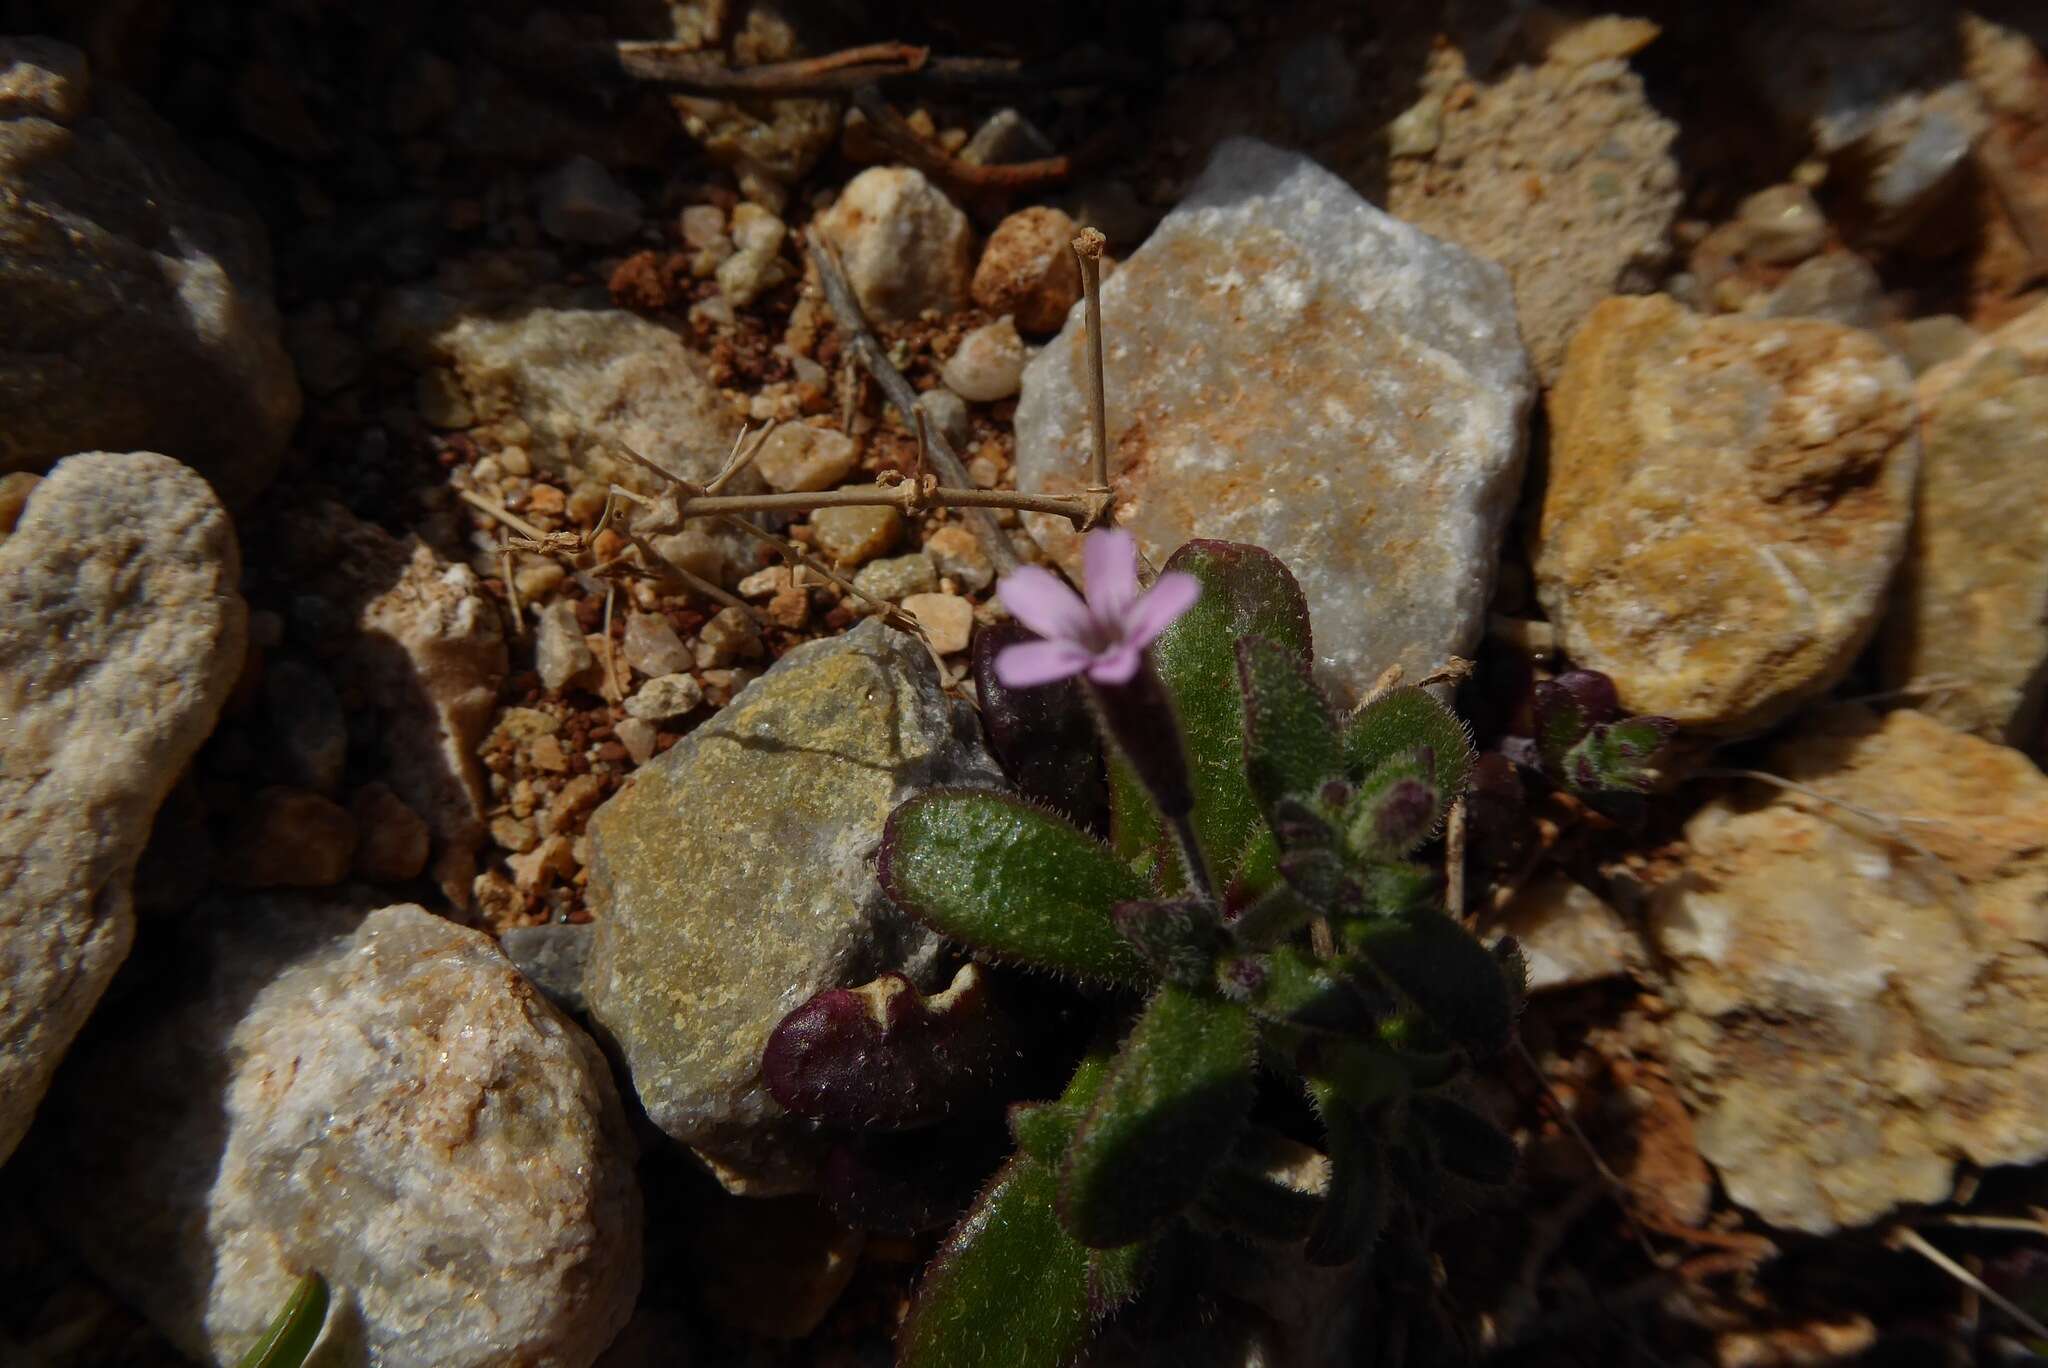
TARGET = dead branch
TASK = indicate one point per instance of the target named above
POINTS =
(896, 134)
(868, 350)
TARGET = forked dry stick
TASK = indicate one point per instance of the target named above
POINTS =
(1088, 255)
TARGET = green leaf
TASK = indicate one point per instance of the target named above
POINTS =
(1440, 967)
(1355, 1207)
(1008, 1288)
(1245, 592)
(1178, 937)
(1299, 991)
(1276, 915)
(1013, 880)
(1114, 1276)
(1467, 1143)
(295, 1331)
(1290, 735)
(1043, 1130)
(1401, 723)
(1619, 757)
(1270, 1188)
(1175, 1098)
(1396, 809)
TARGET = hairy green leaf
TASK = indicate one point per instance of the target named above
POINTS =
(295, 1331)
(1299, 991)
(1466, 1143)
(1114, 1276)
(1008, 1288)
(1178, 937)
(1174, 1100)
(1290, 735)
(1437, 964)
(1404, 721)
(1011, 879)
(1355, 1207)
(1245, 592)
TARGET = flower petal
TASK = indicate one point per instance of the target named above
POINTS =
(1117, 664)
(1109, 565)
(1028, 664)
(1170, 595)
(1042, 601)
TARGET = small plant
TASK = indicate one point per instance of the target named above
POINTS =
(296, 1330)
(1258, 907)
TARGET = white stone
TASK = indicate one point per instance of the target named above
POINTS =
(560, 653)
(652, 646)
(382, 1098)
(671, 695)
(1290, 367)
(905, 246)
(989, 363)
(121, 634)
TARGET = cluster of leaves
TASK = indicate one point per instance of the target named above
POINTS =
(1293, 933)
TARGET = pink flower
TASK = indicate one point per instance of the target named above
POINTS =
(1106, 635)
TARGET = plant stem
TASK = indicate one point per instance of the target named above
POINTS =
(1088, 254)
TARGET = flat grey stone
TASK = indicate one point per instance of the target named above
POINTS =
(734, 878)
(1291, 367)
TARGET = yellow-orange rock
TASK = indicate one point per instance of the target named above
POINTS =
(1726, 503)
(1968, 633)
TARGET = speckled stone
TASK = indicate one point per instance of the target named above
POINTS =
(905, 246)
(1968, 633)
(121, 635)
(733, 879)
(1291, 367)
(1727, 499)
(380, 1097)
(1853, 1019)
(856, 534)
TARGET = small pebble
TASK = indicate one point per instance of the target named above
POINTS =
(797, 457)
(575, 798)
(637, 735)
(559, 651)
(947, 412)
(755, 264)
(895, 577)
(393, 840)
(958, 554)
(947, 619)
(727, 637)
(765, 583)
(515, 834)
(1782, 225)
(702, 225)
(1028, 270)
(989, 364)
(537, 869)
(856, 535)
(652, 646)
(582, 203)
(670, 695)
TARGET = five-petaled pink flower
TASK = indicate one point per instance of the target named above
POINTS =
(1107, 634)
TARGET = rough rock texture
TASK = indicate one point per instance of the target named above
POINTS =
(1562, 172)
(136, 292)
(1291, 367)
(733, 879)
(1568, 935)
(121, 633)
(1854, 1018)
(583, 379)
(428, 653)
(906, 248)
(1727, 500)
(1028, 270)
(989, 363)
(382, 1098)
(1968, 633)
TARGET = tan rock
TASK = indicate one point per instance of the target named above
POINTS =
(1028, 270)
(989, 363)
(947, 619)
(857, 534)
(1561, 171)
(1854, 1017)
(1727, 500)
(428, 653)
(799, 457)
(905, 246)
(121, 634)
(136, 287)
(959, 555)
(1968, 632)
(288, 838)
